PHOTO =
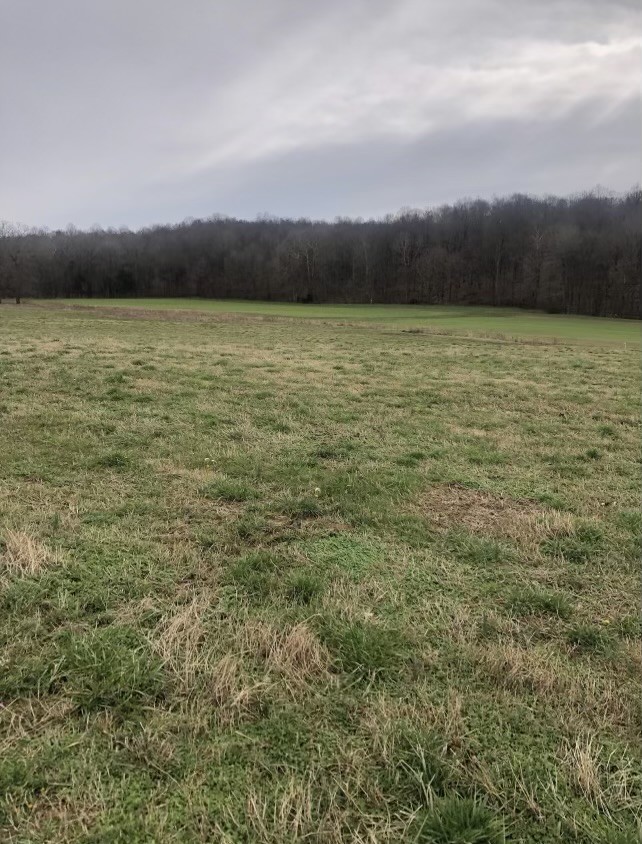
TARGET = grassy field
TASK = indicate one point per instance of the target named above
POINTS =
(458, 320)
(285, 581)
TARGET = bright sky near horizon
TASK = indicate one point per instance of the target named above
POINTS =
(131, 112)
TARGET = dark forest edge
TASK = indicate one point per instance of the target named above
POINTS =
(577, 255)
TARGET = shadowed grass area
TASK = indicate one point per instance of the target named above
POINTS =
(287, 580)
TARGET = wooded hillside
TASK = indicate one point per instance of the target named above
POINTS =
(577, 255)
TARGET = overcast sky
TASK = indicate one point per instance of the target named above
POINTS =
(129, 112)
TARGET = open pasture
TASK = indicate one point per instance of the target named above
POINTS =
(446, 319)
(297, 580)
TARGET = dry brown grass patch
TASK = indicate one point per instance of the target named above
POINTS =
(23, 555)
(579, 698)
(219, 683)
(359, 601)
(21, 719)
(178, 640)
(303, 811)
(132, 612)
(610, 781)
(521, 669)
(59, 817)
(449, 506)
(185, 557)
(288, 817)
(582, 759)
(446, 718)
(234, 693)
(296, 654)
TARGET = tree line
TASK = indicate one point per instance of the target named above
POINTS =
(577, 255)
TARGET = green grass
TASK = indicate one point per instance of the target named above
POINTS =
(455, 319)
(456, 820)
(318, 579)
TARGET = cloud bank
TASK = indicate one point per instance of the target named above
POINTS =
(129, 113)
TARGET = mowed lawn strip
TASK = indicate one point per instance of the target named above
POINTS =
(278, 581)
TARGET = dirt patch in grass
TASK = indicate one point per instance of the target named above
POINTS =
(453, 506)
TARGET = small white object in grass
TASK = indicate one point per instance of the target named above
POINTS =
(317, 490)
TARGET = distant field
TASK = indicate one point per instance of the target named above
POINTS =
(277, 581)
(509, 322)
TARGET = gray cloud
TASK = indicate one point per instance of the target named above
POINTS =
(144, 111)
